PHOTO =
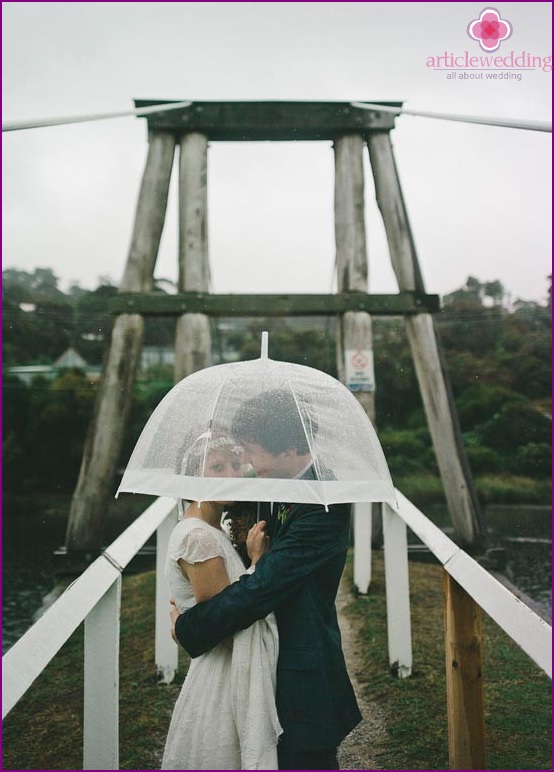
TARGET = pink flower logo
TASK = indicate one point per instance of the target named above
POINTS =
(489, 29)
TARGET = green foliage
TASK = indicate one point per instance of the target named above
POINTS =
(498, 363)
(408, 452)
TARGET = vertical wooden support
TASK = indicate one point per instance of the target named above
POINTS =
(166, 653)
(193, 339)
(354, 328)
(362, 547)
(397, 581)
(431, 373)
(101, 697)
(106, 431)
(464, 678)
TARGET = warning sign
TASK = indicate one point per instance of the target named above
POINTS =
(359, 370)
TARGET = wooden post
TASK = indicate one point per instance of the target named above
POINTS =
(101, 682)
(106, 431)
(397, 587)
(166, 652)
(362, 546)
(193, 339)
(430, 369)
(354, 327)
(464, 678)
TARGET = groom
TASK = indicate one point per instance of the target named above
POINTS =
(298, 579)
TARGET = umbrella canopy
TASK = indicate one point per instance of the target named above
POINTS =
(261, 430)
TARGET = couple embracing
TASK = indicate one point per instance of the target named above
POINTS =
(267, 687)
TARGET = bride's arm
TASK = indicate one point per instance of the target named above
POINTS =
(207, 577)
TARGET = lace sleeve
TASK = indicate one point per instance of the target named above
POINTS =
(198, 545)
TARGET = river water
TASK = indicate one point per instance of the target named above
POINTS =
(34, 530)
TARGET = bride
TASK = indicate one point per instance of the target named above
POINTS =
(225, 715)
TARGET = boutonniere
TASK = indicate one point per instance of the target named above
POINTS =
(283, 512)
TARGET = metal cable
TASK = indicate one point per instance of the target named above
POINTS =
(510, 123)
(42, 122)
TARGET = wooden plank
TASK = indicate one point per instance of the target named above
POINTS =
(28, 657)
(362, 546)
(166, 652)
(464, 678)
(354, 332)
(193, 347)
(278, 121)
(397, 586)
(431, 371)
(531, 633)
(105, 436)
(101, 682)
(430, 534)
(157, 304)
(24, 662)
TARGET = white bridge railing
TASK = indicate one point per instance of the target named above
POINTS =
(95, 599)
(468, 589)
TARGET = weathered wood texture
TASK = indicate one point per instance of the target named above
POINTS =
(464, 678)
(192, 337)
(105, 435)
(158, 304)
(285, 121)
(432, 375)
(101, 682)
(353, 328)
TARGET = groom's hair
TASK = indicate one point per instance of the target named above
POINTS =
(276, 421)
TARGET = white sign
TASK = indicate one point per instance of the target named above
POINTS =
(359, 371)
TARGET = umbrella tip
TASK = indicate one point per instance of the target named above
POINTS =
(265, 337)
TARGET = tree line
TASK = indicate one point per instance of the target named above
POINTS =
(498, 359)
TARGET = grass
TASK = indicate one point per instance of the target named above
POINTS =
(44, 731)
(517, 694)
(425, 489)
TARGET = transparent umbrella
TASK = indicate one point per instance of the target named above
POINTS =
(261, 430)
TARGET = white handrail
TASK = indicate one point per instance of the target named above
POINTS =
(28, 657)
(522, 624)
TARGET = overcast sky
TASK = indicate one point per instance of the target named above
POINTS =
(479, 198)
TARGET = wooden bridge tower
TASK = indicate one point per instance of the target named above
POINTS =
(192, 128)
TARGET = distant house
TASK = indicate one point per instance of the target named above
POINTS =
(69, 360)
(153, 356)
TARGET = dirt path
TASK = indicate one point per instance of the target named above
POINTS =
(361, 749)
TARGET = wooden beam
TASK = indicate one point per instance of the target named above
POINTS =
(354, 331)
(277, 121)
(157, 304)
(430, 365)
(193, 346)
(464, 678)
(105, 435)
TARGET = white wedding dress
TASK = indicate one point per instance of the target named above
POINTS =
(225, 715)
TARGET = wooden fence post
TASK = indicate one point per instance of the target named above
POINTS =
(354, 327)
(362, 546)
(192, 338)
(101, 676)
(397, 587)
(430, 369)
(464, 678)
(166, 652)
(106, 431)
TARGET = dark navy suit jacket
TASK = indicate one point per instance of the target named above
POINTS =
(298, 579)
